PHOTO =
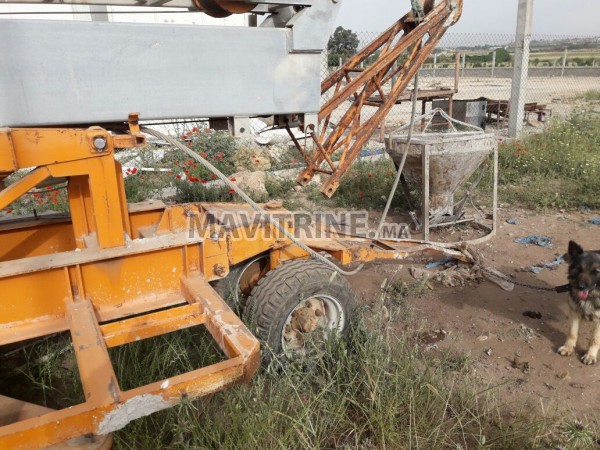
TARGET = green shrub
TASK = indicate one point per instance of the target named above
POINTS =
(559, 168)
(367, 185)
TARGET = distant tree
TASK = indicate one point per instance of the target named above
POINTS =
(343, 44)
(502, 56)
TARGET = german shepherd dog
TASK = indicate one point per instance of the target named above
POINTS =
(584, 285)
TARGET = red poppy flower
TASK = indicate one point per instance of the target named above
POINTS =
(9, 211)
(231, 191)
(233, 179)
(204, 181)
(178, 177)
(213, 176)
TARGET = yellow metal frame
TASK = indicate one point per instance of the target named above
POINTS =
(113, 273)
(108, 263)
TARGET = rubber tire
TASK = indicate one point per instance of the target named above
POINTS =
(279, 292)
(227, 287)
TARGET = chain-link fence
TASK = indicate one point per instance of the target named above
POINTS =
(467, 67)
(471, 68)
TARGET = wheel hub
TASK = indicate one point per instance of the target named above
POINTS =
(315, 317)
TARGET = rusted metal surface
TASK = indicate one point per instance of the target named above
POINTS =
(223, 8)
(422, 94)
(498, 111)
(351, 133)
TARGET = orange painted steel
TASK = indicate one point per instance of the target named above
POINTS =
(77, 273)
(111, 274)
(357, 83)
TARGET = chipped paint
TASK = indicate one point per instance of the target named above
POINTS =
(132, 409)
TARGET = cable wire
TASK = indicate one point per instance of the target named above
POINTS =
(248, 200)
(401, 167)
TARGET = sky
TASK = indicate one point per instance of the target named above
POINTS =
(551, 17)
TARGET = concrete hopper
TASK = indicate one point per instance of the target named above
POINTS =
(441, 157)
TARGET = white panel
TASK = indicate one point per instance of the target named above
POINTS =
(65, 72)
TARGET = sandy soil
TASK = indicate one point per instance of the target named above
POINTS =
(513, 352)
(558, 94)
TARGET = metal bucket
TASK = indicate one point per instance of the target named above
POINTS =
(453, 158)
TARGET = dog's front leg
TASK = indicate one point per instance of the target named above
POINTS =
(569, 347)
(591, 355)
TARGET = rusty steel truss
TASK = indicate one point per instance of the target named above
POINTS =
(417, 35)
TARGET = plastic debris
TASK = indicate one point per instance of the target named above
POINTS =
(542, 241)
(512, 221)
(549, 265)
(433, 265)
(595, 221)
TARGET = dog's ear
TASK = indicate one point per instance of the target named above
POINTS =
(575, 250)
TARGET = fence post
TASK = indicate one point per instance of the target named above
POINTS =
(340, 65)
(521, 67)
(434, 64)
(493, 63)
(464, 64)
(99, 13)
(456, 71)
(564, 63)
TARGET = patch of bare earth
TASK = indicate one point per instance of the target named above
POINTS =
(512, 352)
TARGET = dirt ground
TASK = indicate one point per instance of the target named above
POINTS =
(558, 94)
(512, 352)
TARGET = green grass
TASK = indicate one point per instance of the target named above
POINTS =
(559, 168)
(367, 185)
(593, 95)
(375, 391)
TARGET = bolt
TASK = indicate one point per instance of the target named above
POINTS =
(100, 143)
(219, 270)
